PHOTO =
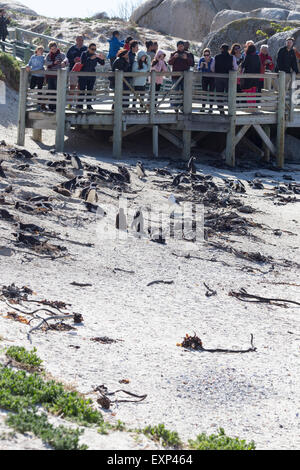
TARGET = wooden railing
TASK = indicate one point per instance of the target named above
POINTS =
(185, 98)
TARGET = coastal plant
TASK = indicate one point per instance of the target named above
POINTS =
(219, 442)
(60, 437)
(10, 70)
(162, 434)
(29, 359)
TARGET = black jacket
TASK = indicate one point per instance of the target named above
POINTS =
(89, 65)
(223, 63)
(286, 61)
(3, 25)
(74, 52)
(251, 64)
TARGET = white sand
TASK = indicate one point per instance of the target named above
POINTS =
(253, 396)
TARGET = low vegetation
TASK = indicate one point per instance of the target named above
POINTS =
(9, 70)
(274, 28)
(23, 394)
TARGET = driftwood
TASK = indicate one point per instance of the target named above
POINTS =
(189, 256)
(195, 343)
(123, 271)
(105, 402)
(159, 282)
(245, 297)
(45, 320)
(78, 284)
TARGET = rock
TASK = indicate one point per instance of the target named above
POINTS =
(192, 19)
(17, 6)
(278, 40)
(227, 16)
(244, 29)
(292, 152)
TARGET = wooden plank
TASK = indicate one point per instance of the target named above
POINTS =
(117, 134)
(61, 109)
(22, 106)
(170, 137)
(230, 139)
(266, 140)
(241, 133)
(155, 140)
(281, 119)
(267, 130)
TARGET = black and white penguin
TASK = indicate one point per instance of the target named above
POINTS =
(2, 174)
(125, 173)
(191, 165)
(140, 170)
(76, 162)
(121, 220)
(138, 222)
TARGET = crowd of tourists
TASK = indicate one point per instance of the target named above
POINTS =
(129, 55)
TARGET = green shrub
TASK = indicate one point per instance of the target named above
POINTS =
(23, 357)
(10, 70)
(219, 442)
(160, 433)
(60, 438)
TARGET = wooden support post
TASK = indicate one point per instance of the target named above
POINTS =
(118, 108)
(187, 110)
(22, 106)
(266, 140)
(61, 98)
(37, 135)
(230, 140)
(152, 96)
(281, 119)
(292, 104)
(267, 130)
(155, 140)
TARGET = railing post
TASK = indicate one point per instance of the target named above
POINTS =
(118, 108)
(187, 110)
(292, 90)
(230, 140)
(22, 106)
(155, 140)
(152, 95)
(61, 96)
(281, 119)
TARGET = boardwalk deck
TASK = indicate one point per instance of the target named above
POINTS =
(181, 112)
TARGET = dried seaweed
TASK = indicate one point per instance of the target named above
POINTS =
(195, 343)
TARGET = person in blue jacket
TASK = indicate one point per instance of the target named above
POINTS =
(89, 60)
(114, 46)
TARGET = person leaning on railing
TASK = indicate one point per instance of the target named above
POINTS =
(180, 62)
(287, 61)
(267, 64)
(236, 51)
(159, 65)
(54, 61)
(36, 63)
(75, 52)
(141, 65)
(4, 22)
(207, 65)
(224, 63)
(89, 60)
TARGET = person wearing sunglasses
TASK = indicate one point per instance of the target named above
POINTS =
(237, 53)
(207, 65)
(89, 60)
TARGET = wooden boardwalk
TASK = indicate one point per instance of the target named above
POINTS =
(181, 112)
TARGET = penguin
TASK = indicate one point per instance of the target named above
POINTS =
(23, 167)
(2, 174)
(158, 237)
(201, 188)
(191, 165)
(39, 198)
(138, 222)
(27, 239)
(140, 170)
(71, 184)
(121, 220)
(125, 173)
(4, 214)
(29, 228)
(162, 172)
(91, 195)
(62, 191)
(76, 162)
(95, 209)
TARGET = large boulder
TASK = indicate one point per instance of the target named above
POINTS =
(227, 16)
(244, 29)
(192, 19)
(19, 7)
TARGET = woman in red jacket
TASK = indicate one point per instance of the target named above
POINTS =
(266, 63)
